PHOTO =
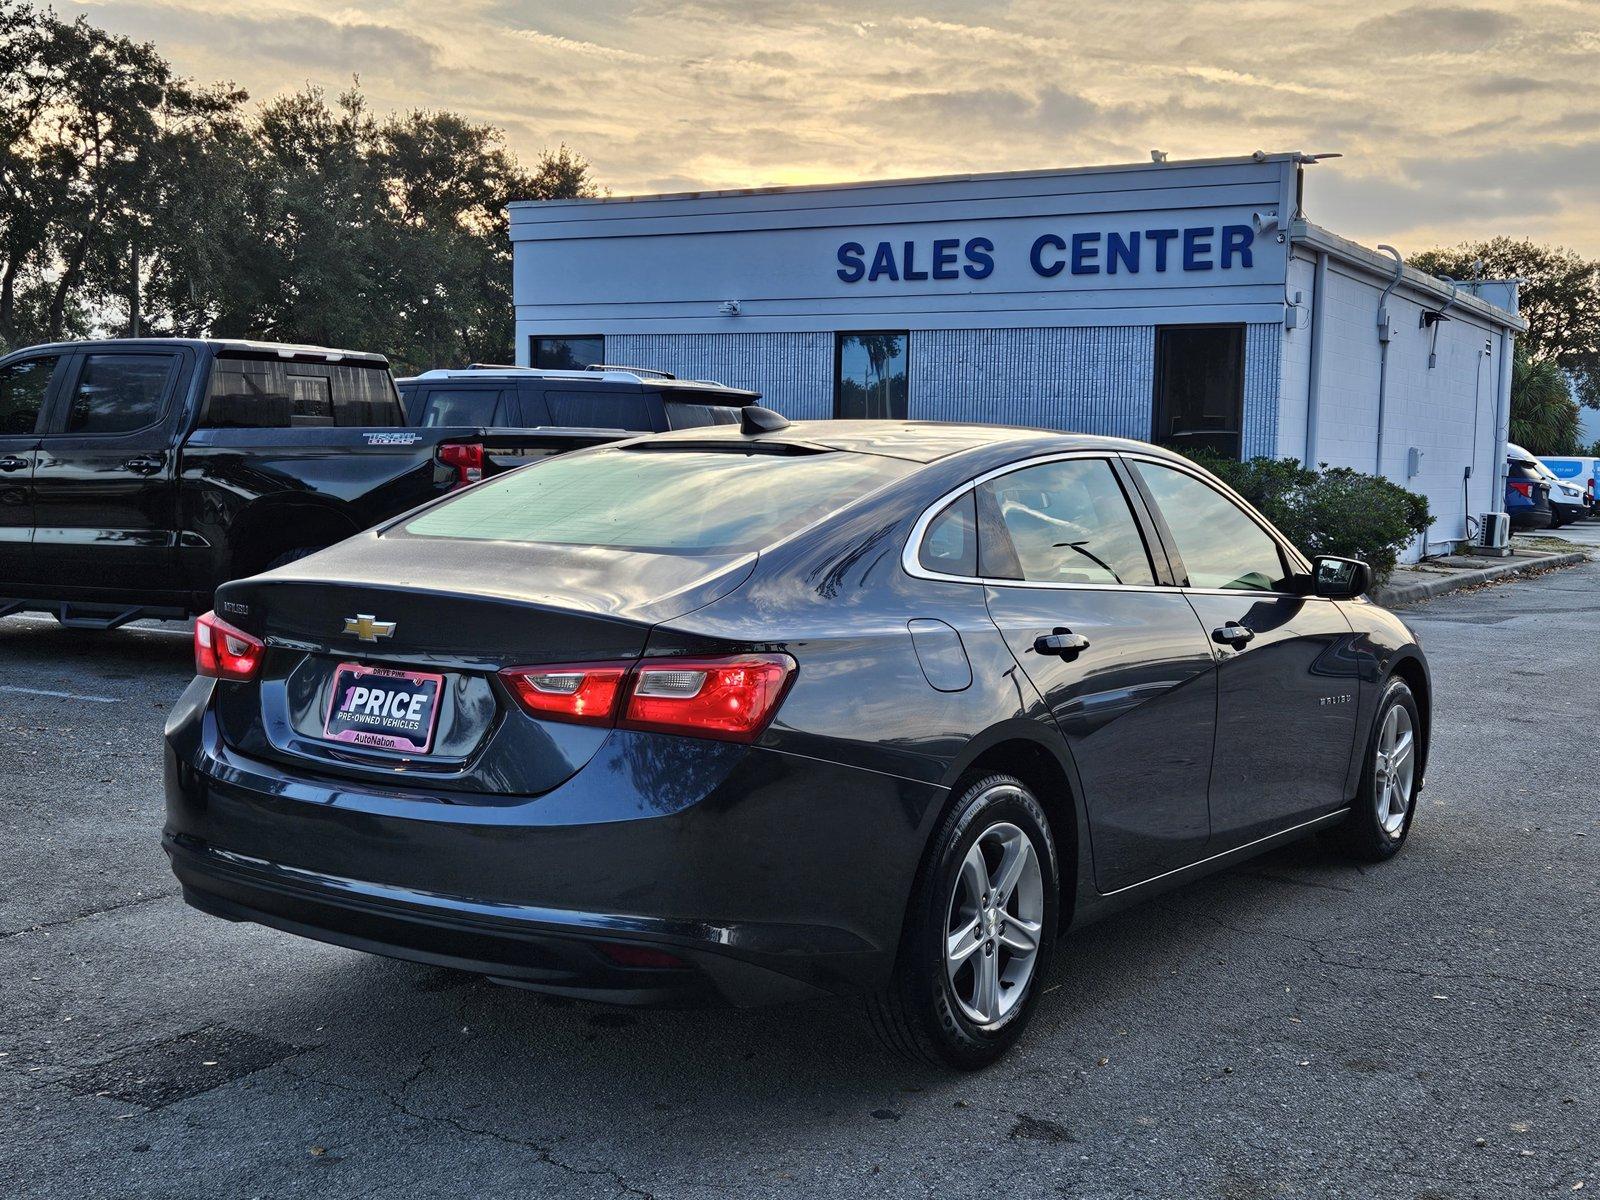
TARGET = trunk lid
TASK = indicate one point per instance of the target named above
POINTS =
(455, 612)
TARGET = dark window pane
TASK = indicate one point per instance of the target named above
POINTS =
(1199, 397)
(671, 502)
(22, 390)
(1220, 546)
(117, 393)
(950, 545)
(568, 353)
(694, 416)
(460, 406)
(600, 408)
(1070, 523)
(259, 393)
(872, 376)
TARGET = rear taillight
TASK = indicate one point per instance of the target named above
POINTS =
(729, 699)
(223, 652)
(1522, 489)
(583, 693)
(466, 458)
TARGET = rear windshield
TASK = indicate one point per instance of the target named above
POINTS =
(275, 393)
(680, 501)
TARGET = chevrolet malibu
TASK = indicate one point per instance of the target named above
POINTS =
(758, 712)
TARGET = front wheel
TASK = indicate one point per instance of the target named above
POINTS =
(1386, 803)
(980, 931)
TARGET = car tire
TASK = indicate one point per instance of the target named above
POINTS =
(1386, 802)
(942, 984)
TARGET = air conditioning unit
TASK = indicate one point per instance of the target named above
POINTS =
(1494, 533)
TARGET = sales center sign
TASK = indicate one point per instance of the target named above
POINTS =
(1104, 252)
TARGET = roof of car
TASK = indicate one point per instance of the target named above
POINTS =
(915, 441)
(224, 346)
(633, 376)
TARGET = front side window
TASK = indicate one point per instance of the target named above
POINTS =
(567, 353)
(23, 386)
(665, 501)
(118, 393)
(872, 373)
(1220, 546)
(1069, 522)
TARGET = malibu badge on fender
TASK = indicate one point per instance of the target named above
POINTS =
(383, 708)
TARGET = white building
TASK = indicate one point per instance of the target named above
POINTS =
(1186, 303)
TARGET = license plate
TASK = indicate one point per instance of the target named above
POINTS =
(383, 708)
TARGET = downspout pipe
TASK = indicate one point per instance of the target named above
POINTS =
(1502, 425)
(1384, 328)
(1319, 294)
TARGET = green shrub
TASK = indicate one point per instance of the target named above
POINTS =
(1335, 511)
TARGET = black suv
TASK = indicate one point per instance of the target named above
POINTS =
(600, 397)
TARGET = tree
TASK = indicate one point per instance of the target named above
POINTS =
(1544, 417)
(1560, 297)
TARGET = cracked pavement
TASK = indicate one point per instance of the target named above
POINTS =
(1296, 1027)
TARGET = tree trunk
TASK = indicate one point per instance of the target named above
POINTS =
(65, 286)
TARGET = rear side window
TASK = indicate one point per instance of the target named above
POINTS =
(118, 393)
(1069, 522)
(262, 393)
(1220, 545)
(599, 408)
(463, 406)
(695, 416)
(683, 502)
(950, 544)
(23, 386)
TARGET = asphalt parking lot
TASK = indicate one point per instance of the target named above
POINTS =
(1429, 1028)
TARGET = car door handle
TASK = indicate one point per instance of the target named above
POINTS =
(1232, 634)
(145, 464)
(1063, 643)
(11, 463)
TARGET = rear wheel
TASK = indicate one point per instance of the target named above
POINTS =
(1381, 817)
(980, 931)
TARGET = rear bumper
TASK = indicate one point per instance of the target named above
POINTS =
(772, 876)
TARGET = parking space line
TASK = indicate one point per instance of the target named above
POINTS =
(27, 691)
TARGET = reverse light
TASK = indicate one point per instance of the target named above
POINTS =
(466, 458)
(223, 652)
(729, 699)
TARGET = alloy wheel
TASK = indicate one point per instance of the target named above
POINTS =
(1394, 769)
(995, 917)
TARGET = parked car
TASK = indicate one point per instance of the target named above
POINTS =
(1527, 492)
(758, 712)
(1567, 502)
(1577, 472)
(137, 475)
(629, 398)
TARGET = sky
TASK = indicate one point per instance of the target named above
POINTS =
(1456, 120)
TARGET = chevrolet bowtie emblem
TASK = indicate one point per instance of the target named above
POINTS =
(365, 627)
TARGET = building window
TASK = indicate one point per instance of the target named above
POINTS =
(1199, 398)
(870, 376)
(567, 353)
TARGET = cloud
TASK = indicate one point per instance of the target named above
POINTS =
(1496, 86)
(1424, 28)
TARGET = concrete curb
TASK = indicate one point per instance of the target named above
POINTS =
(1393, 596)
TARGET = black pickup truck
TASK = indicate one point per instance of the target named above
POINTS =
(138, 475)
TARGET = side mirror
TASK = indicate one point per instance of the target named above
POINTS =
(1340, 578)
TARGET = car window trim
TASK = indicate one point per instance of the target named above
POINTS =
(67, 385)
(910, 555)
(1292, 557)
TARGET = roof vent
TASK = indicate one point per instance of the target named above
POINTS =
(754, 419)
